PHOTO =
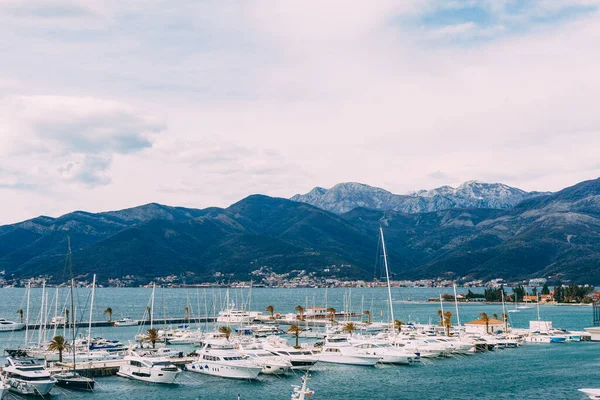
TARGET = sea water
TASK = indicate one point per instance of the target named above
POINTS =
(533, 371)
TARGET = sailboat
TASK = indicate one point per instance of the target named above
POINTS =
(71, 379)
(516, 309)
(526, 306)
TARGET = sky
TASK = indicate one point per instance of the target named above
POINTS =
(108, 105)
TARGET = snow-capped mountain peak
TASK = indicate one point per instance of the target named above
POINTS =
(344, 197)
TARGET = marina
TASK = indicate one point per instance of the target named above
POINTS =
(453, 368)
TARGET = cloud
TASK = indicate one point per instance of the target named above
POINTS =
(89, 169)
(84, 124)
(204, 103)
(72, 138)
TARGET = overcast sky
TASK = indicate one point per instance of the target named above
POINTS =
(112, 104)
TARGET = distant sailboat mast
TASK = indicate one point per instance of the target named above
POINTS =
(91, 310)
(27, 314)
(73, 347)
(456, 305)
(152, 306)
(387, 275)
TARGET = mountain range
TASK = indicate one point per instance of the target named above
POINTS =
(553, 235)
(347, 196)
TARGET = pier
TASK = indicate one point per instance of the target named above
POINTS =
(98, 324)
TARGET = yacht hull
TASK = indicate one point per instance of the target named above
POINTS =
(30, 388)
(12, 327)
(350, 360)
(162, 377)
(224, 371)
(76, 383)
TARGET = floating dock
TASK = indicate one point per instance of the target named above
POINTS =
(156, 321)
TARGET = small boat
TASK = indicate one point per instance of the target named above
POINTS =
(302, 392)
(220, 358)
(266, 331)
(4, 389)
(9, 326)
(126, 321)
(26, 376)
(72, 380)
(154, 370)
(591, 393)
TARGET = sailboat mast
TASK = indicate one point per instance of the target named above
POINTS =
(91, 310)
(55, 312)
(538, 306)
(27, 314)
(42, 314)
(70, 255)
(387, 275)
(152, 306)
(456, 305)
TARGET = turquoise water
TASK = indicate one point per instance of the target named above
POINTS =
(532, 371)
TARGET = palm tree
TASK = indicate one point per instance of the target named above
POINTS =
(448, 322)
(495, 316)
(226, 330)
(187, 314)
(152, 337)
(349, 327)
(295, 329)
(58, 344)
(484, 317)
(505, 319)
(331, 312)
(368, 314)
(109, 311)
(20, 312)
(398, 325)
(67, 316)
(271, 310)
(300, 310)
(441, 315)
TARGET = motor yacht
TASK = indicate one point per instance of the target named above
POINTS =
(543, 337)
(338, 350)
(235, 316)
(126, 321)
(220, 358)
(264, 331)
(388, 353)
(26, 376)
(9, 326)
(149, 369)
(299, 358)
(270, 363)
